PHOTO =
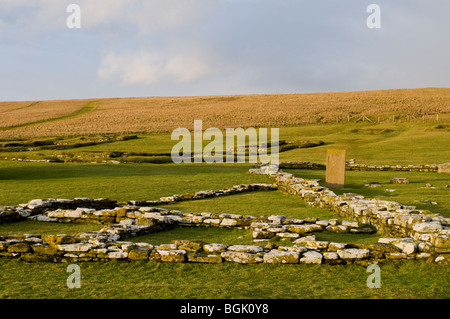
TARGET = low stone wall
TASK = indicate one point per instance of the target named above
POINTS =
(412, 234)
(10, 214)
(106, 244)
(389, 218)
(37, 206)
(361, 167)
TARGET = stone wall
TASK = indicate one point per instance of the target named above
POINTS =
(389, 218)
(107, 243)
(361, 167)
(37, 206)
(411, 234)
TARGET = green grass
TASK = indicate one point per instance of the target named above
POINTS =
(261, 203)
(205, 234)
(408, 143)
(399, 143)
(20, 181)
(117, 280)
(151, 143)
(44, 228)
(370, 143)
(242, 237)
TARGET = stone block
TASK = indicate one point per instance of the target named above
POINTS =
(303, 229)
(117, 254)
(277, 219)
(311, 243)
(262, 234)
(189, 245)
(311, 257)
(288, 235)
(139, 253)
(3, 245)
(406, 247)
(80, 247)
(353, 253)
(212, 221)
(444, 168)
(19, 248)
(45, 250)
(241, 257)
(228, 222)
(175, 256)
(335, 169)
(322, 222)
(59, 239)
(246, 248)
(215, 248)
(399, 180)
(427, 227)
(145, 221)
(330, 255)
(167, 247)
(338, 229)
(349, 223)
(281, 257)
(332, 246)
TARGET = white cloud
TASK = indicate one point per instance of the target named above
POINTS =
(146, 16)
(164, 14)
(33, 16)
(186, 69)
(146, 68)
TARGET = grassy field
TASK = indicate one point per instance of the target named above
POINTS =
(149, 280)
(163, 114)
(20, 114)
(230, 281)
(370, 143)
(419, 141)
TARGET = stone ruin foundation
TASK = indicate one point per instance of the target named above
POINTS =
(410, 234)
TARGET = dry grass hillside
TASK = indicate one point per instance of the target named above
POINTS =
(163, 114)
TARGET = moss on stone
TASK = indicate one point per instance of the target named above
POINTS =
(30, 257)
(189, 245)
(44, 250)
(139, 253)
(59, 239)
(19, 248)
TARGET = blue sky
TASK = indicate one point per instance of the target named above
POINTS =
(130, 48)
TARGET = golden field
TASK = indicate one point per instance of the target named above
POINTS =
(13, 114)
(163, 114)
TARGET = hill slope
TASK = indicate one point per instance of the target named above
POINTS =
(163, 114)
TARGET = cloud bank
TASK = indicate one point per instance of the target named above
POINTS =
(203, 47)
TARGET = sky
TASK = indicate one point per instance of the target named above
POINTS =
(137, 48)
